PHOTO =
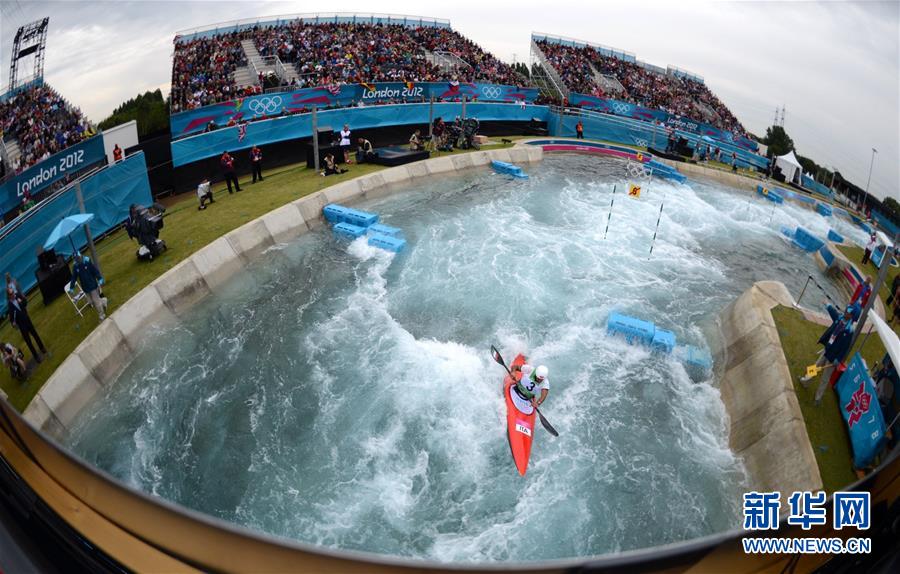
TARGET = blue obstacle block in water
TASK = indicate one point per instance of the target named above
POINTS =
(663, 341)
(335, 213)
(381, 229)
(508, 169)
(835, 236)
(769, 194)
(634, 330)
(826, 255)
(806, 240)
(386, 242)
(664, 171)
(824, 210)
(695, 358)
(349, 230)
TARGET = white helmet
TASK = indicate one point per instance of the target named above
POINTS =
(541, 373)
(526, 370)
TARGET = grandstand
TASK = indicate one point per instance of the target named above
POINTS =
(605, 72)
(235, 59)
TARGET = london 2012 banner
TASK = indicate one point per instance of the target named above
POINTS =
(54, 168)
(628, 110)
(303, 100)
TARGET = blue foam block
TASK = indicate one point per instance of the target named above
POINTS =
(385, 230)
(349, 230)
(508, 169)
(387, 242)
(824, 210)
(663, 341)
(633, 329)
(335, 213)
(806, 240)
(835, 236)
(827, 255)
(693, 357)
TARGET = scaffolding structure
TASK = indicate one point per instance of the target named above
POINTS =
(30, 40)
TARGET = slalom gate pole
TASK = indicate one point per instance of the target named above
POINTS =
(653, 241)
(611, 202)
(805, 285)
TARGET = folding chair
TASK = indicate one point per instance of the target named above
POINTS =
(78, 298)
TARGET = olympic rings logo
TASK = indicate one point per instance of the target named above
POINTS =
(265, 105)
(491, 92)
(620, 108)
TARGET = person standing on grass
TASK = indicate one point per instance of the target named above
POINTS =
(579, 130)
(256, 163)
(870, 246)
(88, 275)
(16, 304)
(228, 168)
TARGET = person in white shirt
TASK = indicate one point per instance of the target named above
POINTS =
(870, 247)
(345, 143)
(204, 193)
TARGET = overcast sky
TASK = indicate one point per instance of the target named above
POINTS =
(834, 65)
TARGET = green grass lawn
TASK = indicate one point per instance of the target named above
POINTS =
(186, 231)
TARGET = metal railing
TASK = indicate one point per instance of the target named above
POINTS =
(551, 72)
(316, 18)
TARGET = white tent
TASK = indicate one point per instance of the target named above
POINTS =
(790, 167)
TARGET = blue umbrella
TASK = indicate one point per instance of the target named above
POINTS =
(65, 228)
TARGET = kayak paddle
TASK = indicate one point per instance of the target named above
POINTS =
(499, 359)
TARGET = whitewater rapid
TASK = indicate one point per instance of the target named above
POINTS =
(344, 396)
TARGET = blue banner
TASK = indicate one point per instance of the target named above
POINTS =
(861, 411)
(302, 100)
(108, 194)
(212, 144)
(51, 170)
(627, 110)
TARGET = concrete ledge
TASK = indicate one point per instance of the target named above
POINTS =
(463, 161)
(344, 192)
(217, 262)
(767, 429)
(420, 168)
(105, 352)
(375, 180)
(519, 154)
(181, 286)
(41, 417)
(439, 165)
(134, 315)
(311, 209)
(285, 223)
(69, 389)
(250, 239)
(396, 174)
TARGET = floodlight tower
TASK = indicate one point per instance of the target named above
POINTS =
(30, 40)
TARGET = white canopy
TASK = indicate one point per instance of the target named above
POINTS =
(790, 167)
(888, 337)
(883, 239)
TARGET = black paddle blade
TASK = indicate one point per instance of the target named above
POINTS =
(546, 423)
(496, 355)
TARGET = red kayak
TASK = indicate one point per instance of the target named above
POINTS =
(519, 426)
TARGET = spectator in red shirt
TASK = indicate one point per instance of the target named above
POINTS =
(228, 168)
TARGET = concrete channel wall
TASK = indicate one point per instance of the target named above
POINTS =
(767, 428)
(109, 349)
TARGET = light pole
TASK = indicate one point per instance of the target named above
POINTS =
(866, 196)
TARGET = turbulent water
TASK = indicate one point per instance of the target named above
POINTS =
(344, 396)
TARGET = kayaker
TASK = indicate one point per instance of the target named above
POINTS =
(524, 394)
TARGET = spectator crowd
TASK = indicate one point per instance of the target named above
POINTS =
(43, 123)
(643, 86)
(329, 54)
